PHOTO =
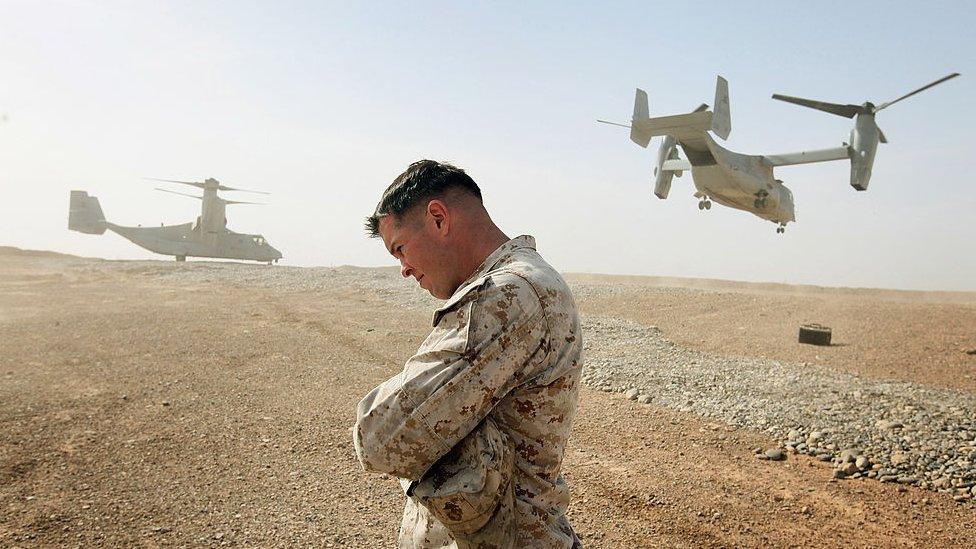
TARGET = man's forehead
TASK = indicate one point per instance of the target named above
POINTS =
(391, 229)
(387, 229)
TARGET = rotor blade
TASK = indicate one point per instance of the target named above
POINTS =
(881, 135)
(194, 183)
(242, 202)
(179, 193)
(923, 88)
(847, 111)
(225, 188)
(614, 123)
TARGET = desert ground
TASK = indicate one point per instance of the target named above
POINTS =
(151, 403)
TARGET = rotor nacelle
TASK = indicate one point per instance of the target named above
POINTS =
(866, 134)
(662, 177)
(864, 144)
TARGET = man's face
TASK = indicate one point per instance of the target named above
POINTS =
(418, 241)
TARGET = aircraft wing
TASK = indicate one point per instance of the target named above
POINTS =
(807, 157)
(676, 165)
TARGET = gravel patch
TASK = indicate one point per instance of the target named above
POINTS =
(892, 431)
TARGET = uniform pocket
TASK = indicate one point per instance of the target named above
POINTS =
(451, 332)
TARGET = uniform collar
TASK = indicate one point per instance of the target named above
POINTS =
(478, 277)
(495, 257)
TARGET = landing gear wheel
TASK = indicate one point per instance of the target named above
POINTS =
(181, 258)
(701, 205)
(814, 334)
(708, 204)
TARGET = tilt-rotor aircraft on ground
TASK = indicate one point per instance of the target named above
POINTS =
(207, 237)
(746, 182)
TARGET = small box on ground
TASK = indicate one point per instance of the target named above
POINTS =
(815, 334)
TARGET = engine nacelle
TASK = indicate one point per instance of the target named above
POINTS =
(864, 145)
(662, 177)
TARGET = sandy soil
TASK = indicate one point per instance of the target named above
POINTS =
(143, 410)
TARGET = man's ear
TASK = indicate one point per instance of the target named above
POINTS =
(439, 213)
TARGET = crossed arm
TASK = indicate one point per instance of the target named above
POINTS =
(476, 355)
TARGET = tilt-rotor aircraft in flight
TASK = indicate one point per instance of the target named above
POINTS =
(208, 236)
(746, 182)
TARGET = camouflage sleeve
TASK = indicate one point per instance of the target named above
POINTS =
(479, 351)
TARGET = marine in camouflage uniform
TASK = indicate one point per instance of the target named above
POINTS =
(476, 424)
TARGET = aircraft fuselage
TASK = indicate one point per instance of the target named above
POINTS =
(186, 241)
(743, 182)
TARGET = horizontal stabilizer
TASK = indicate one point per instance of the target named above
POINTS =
(676, 125)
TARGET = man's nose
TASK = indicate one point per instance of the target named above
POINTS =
(405, 269)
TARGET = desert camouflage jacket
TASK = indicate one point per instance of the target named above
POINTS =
(477, 422)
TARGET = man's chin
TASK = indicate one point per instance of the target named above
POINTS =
(437, 295)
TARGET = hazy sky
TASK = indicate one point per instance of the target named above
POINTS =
(323, 104)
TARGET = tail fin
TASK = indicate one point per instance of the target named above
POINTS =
(85, 214)
(722, 118)
(642, 112)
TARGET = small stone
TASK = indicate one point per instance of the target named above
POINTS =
(848, 468)
(631, 394)
(959, 498)
(166, 403)
(806, 510)
(774, 454)
(888, 425)
(644, 399)
(839, 473)
(862, 463)
(899, 458)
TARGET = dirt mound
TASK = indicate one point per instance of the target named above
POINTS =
(12, 251)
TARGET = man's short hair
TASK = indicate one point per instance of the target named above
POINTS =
(422, 180)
